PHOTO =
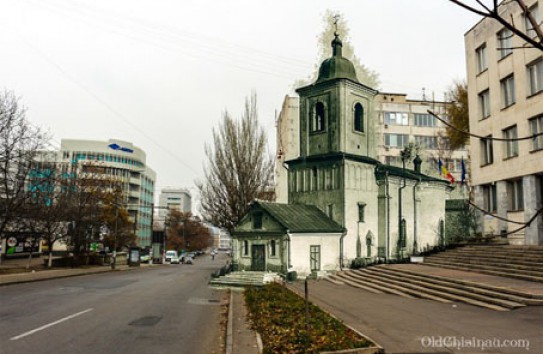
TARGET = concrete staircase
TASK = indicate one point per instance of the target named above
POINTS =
(519, 262)
(414, 284)
(243, 279)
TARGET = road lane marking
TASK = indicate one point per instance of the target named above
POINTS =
(50, 325)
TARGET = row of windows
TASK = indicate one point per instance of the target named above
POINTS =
(319, 117)
(511, 146)
(515, 196)
(504, 39)
(314, 179)
(79, 156)
(402, 118)
(452, 165)
(507, 88)
(423, 141)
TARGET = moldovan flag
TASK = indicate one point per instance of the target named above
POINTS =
(445, 172)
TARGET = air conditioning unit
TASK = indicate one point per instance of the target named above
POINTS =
(387, 147)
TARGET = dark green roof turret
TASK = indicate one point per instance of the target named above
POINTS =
(337, 67)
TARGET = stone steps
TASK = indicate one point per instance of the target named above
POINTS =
(465, 288)
(442, 289)
(435, 292)
(485, 270)
(241, 279)
(504, 263)
(519, 262)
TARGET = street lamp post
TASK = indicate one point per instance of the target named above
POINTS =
(114, 261)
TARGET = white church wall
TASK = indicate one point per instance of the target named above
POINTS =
(300, 252)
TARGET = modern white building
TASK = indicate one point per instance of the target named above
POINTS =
(122, 161)
(174, 198)
(505, 93)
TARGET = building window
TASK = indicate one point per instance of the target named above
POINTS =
(245, 248)
(396, 118)
(505, 42)
(480, 54)
(396, 140)
(361, 211)
(315, 258)
(515, 194)
(428, 142)
(535, 77)
(508, 91)
(534, 11)
(484, 104)
(318, 120)
(330, 210)
(487, 151)
(257, 220)
(511, 146)
(272, 248)
(425, 120)
(536, 125)
(358, 117)
(490, 198)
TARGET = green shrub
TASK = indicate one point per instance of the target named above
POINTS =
(278, 315)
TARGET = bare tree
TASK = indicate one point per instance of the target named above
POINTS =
(333, 23)
(19, 143)
(491, 9)
(239, 169)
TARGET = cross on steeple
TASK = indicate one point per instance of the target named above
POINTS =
(336, 20)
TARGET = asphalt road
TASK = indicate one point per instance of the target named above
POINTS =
(153, 310)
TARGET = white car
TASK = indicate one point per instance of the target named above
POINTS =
(171, 256)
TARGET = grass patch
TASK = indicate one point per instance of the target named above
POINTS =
(278, 315)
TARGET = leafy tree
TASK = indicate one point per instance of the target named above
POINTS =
(330, 19)
(494, 10)
(19, 143)
(114, 216)
(186, 232)
(458, 114)
(238, 170)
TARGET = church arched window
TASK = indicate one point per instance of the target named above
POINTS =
(358, 118)
(318, 119)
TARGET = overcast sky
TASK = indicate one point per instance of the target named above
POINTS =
(160, 73)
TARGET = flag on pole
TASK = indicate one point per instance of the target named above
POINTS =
(443, 170)
(463, 171)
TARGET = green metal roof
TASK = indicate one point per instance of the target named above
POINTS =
(301, 218)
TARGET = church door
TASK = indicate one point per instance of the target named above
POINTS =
(258, 258)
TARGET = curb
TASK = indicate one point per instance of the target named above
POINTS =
(6, 282)
(229, 338)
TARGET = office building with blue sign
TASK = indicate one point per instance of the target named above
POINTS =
(124, 162)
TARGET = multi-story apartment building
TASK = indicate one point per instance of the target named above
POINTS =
(123, 162)
(403, 120)
(505, 92)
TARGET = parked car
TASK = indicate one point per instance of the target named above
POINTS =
(144, 258)
(189, 260)
(170, 255)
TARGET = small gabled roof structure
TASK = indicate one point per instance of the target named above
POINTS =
(296, 218)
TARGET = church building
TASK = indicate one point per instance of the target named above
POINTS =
(343, 204)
